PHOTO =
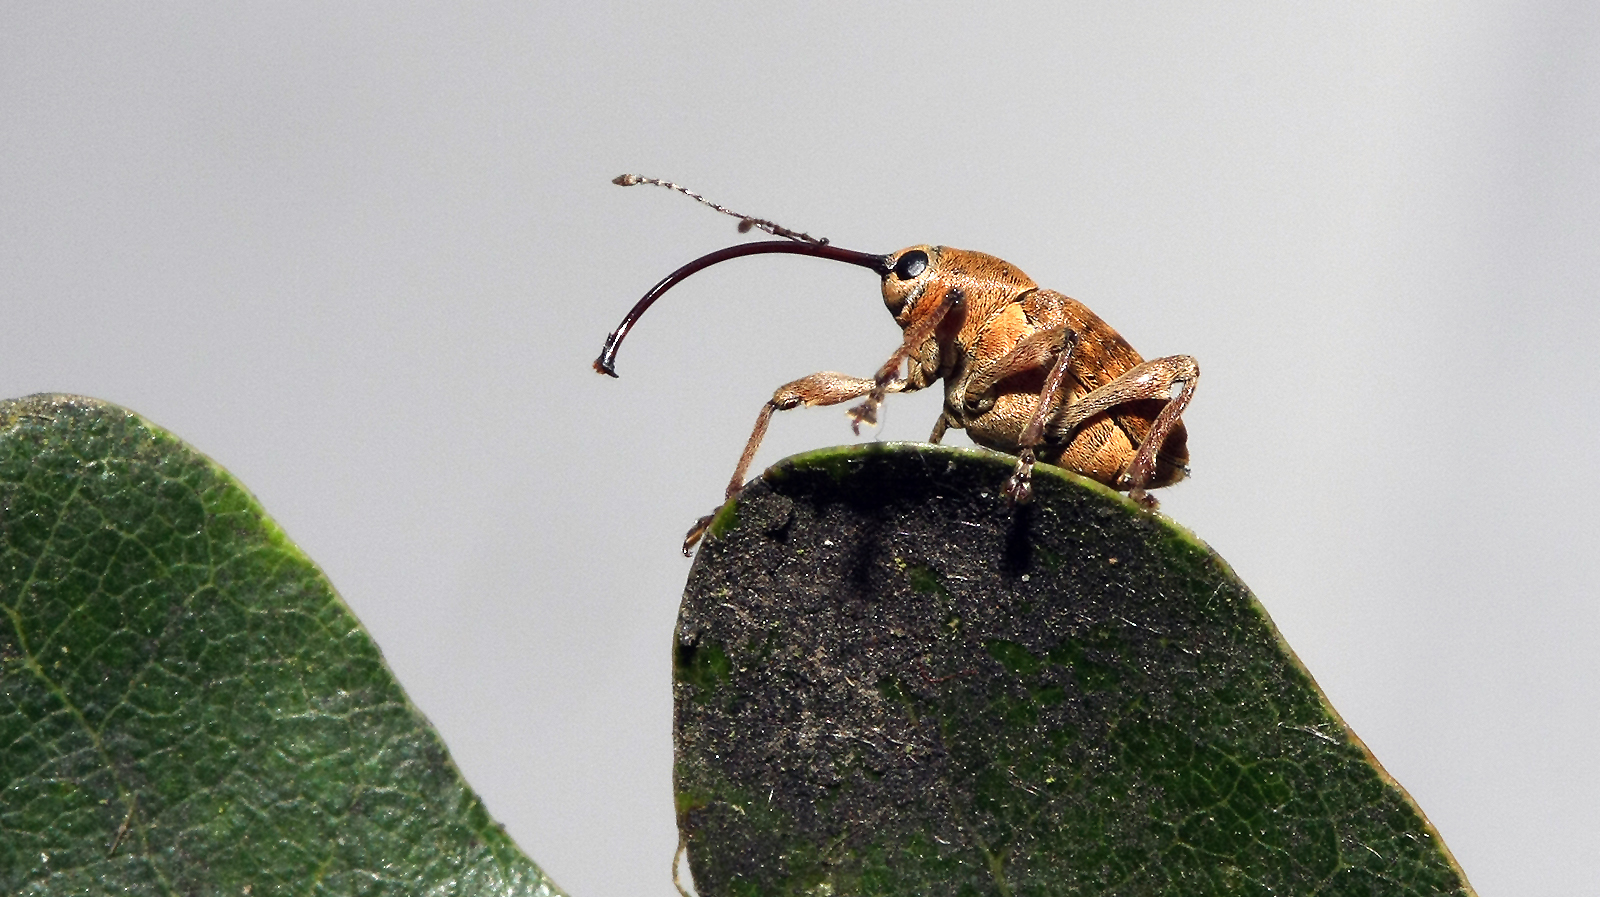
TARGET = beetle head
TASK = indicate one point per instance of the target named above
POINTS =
(909, 272)
(924, 272)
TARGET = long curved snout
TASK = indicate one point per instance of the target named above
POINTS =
(606, 362)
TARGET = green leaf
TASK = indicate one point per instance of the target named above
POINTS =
(187, 706)
(890, 682)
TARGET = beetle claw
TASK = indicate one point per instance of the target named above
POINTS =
(1019, 489)
(864, 413)
(696, 533)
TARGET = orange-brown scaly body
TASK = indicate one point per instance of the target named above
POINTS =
(1003, 308)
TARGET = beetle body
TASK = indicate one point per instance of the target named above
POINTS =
(1002, 309)
(1027, 371)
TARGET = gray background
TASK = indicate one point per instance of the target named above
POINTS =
(363, 256)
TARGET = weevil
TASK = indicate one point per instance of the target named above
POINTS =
(1027, 371)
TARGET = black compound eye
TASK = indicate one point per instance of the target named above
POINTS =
(911, 264)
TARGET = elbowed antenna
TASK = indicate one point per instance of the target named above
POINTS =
(746, 222)
(605, 364)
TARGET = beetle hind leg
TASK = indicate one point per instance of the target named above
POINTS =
(1152, 379)
(1184, 371)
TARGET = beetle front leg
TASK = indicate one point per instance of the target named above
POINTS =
(916, 334)
(1151, 380)
(825, 388)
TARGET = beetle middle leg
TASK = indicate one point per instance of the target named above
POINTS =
(1019, 488)
(1152, 379)
(1052, 346)
(824, 388)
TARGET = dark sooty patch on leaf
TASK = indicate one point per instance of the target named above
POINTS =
(916, 689)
